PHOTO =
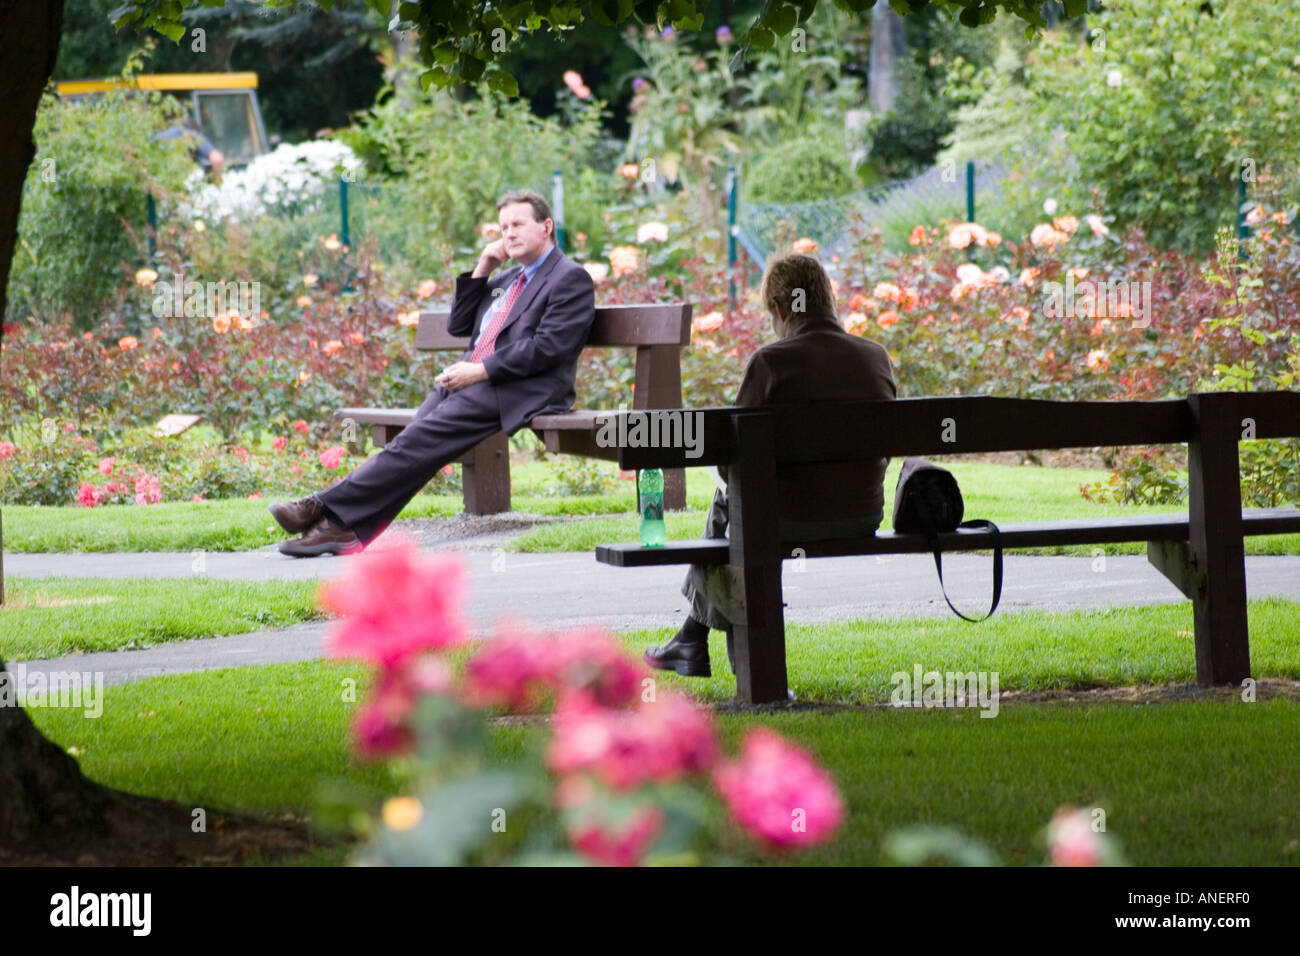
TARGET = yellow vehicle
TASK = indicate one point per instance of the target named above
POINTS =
(225, 106)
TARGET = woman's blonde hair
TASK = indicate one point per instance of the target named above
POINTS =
(798, 284)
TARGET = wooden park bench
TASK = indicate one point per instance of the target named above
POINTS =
(657, 332)
(1202, 553)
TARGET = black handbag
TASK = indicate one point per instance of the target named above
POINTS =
(927, 501)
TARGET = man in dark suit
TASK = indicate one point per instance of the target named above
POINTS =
(528, 326)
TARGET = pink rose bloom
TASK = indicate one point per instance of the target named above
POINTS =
(512, 670)
(6, 449)
(294, 469)
(88, 495)
(662, 740)
(333, 456)
(146, 489)
(301, 426)
(241, 453)
(778, 793)
(618, 846)
(279, 443)
(378, 733)
(199, 498)
(507, 672)
(254, 496)
(596, 662)
(1071, 839)
(395, 603)
(106, 466)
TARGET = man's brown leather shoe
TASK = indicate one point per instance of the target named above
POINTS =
(322, 539)
(690, 659)
(298, 516)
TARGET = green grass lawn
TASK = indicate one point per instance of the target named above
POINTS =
(50, 617)
(842, 661)
(1191, 783)
(1001, 493)
(853, 661)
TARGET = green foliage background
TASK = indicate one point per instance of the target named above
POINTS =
(81, 234)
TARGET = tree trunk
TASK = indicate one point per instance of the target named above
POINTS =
(888, 43)
(42, 791)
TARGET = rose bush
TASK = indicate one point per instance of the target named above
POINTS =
(623, 777)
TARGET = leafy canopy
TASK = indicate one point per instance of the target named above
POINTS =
(463, 42)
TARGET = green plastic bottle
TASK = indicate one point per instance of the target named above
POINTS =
(651, 487)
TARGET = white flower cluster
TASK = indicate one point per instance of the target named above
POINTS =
(290, 179)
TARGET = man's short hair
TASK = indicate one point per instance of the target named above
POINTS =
(797, 272)
(541, 208)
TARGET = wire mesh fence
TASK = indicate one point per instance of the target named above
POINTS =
(944, 191)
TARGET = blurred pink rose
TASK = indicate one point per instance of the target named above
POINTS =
(507, 672)
(333, 456)
(511, 670)
(395, 603)
(379, 728)
(146, 489)
(6, 449)
(106, 466)
(778, 793)
(88, 495)
(1072, 840)
(624, 845)
(279, 443)
(659, 740)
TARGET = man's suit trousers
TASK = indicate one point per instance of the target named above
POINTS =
(446, 426)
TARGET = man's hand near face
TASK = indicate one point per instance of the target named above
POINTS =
(457, 376)
(493, 254)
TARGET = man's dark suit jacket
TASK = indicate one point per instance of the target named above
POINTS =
(535, 360)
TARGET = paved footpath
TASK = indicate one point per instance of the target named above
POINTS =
(571, 590)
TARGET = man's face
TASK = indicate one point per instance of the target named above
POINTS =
(524, 236)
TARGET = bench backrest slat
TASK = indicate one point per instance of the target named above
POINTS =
(853, 431)
(975, 423)
(615, 326)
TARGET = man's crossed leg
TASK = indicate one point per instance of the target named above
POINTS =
(349, 515)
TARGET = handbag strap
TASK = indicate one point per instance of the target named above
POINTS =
(997, 566)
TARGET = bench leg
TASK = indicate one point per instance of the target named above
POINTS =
(486, 480)
(755, 566)
(1216, 546)
(760, 638)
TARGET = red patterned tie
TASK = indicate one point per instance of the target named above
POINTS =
(487, 344)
